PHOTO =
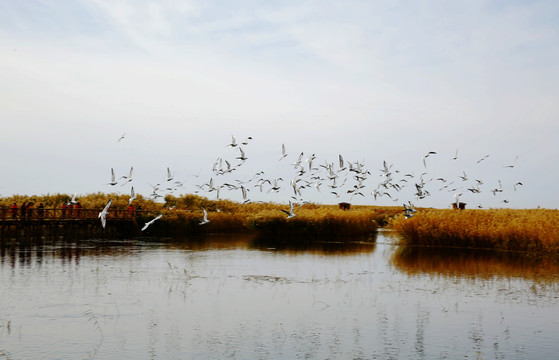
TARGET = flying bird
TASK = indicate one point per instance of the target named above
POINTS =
(104, 212)
(483, 158)
(113, 180)
(426, 156)
(121, 137)
(244, 193)
(132, 196)
(152, 221)
(233, 142)
(457, 197)
(241, 157)
(246, 141)
(129, 177)
(205, 218)
(283, 153)
(290, 213)
(455, 155)
(514, 163)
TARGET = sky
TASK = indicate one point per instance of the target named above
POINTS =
(373, 81)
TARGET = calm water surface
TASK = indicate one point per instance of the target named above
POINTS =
(232, 298)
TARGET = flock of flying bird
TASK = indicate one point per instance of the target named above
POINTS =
(342, 178)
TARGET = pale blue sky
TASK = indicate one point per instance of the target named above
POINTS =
(369, 80)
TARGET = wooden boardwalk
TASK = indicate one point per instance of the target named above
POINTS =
(72, 223)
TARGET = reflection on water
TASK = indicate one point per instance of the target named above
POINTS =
(475, 263)
(241, 297)
(67, 251)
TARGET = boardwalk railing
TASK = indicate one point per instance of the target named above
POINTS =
(37, 214)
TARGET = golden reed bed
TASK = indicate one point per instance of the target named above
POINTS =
(533, 230)
(181, 216)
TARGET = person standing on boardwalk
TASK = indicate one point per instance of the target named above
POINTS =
(23, 210)
(41, 210)
(14, 210)
(64, 210)
(29, 210)
(78, 209)
(131, 211)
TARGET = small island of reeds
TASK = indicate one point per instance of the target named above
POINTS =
(530, 230)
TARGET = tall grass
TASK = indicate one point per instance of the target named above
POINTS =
(533, 230)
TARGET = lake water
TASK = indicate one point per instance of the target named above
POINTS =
(229, 297)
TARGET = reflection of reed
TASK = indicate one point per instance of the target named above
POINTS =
(474, 263)
(346, 246)
(71, 251)
(25, 255)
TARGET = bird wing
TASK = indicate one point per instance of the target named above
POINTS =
(107, 206)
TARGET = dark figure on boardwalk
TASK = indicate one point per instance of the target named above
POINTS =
(64, 206)
(78, 209)
(41, 210)
(131, 211)
(29, 210)
(23, 210)
(14, 210)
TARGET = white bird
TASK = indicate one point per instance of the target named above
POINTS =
(483, 158)
(514, 163)
(113, 180)
(242, 157)
(152, 221)
(500, 189)
(74, 201)
(290, 213)
(121, 137)
(233, 142)
(341, 166)
(455, 155)
(205, 218)
(246, 141)
(457, 197)
(426, 156)
(169, 175)
(283, 153)
(129, 177)
(104, 212)
(132, 196)
(245, 197)
(298, 162)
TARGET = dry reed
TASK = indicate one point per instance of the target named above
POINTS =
(532, 230)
